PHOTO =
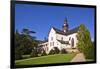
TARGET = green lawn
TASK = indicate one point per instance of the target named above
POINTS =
(56, 58)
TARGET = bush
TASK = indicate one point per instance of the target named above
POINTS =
(63, 51)
(51, 52)
(18, 54)
(89, 54)
(56, 50)
(34, 53)
(44, 53)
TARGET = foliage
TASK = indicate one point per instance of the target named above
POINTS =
(18, 54)
(34, 53)
(54, 51)
(24, 43)
(27, 31)
(51, 52)
(63, 51)
(44, 53)
(84, 42)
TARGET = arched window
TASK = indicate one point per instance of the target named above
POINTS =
(72, 42)
(69, 38)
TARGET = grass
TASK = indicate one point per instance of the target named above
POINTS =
(49, 59)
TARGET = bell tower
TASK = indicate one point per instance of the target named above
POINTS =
(65, 26)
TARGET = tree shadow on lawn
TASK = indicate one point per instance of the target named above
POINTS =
(49, 59)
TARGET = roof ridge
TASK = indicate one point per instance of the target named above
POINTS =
(67, 33)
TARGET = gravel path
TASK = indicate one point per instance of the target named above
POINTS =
(79, 58)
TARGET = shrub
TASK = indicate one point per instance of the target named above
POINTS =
(89, 54)
(34, 53)
(44, 53)
(63, 51)
(56, 50)
(18, 54)
(51, 52)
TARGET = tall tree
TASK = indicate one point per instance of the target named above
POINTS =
(84, 42)
(28, 41)
(24, 43)
(26, 31)
(18, 53)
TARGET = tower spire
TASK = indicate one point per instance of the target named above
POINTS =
(65, 20)
(65, 26)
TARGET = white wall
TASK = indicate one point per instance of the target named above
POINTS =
(66, 38)
(59, 37)
(52, 34)
(55, 36)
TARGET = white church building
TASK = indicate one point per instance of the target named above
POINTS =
(62, 39)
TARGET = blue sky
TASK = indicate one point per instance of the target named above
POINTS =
(40, 18)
